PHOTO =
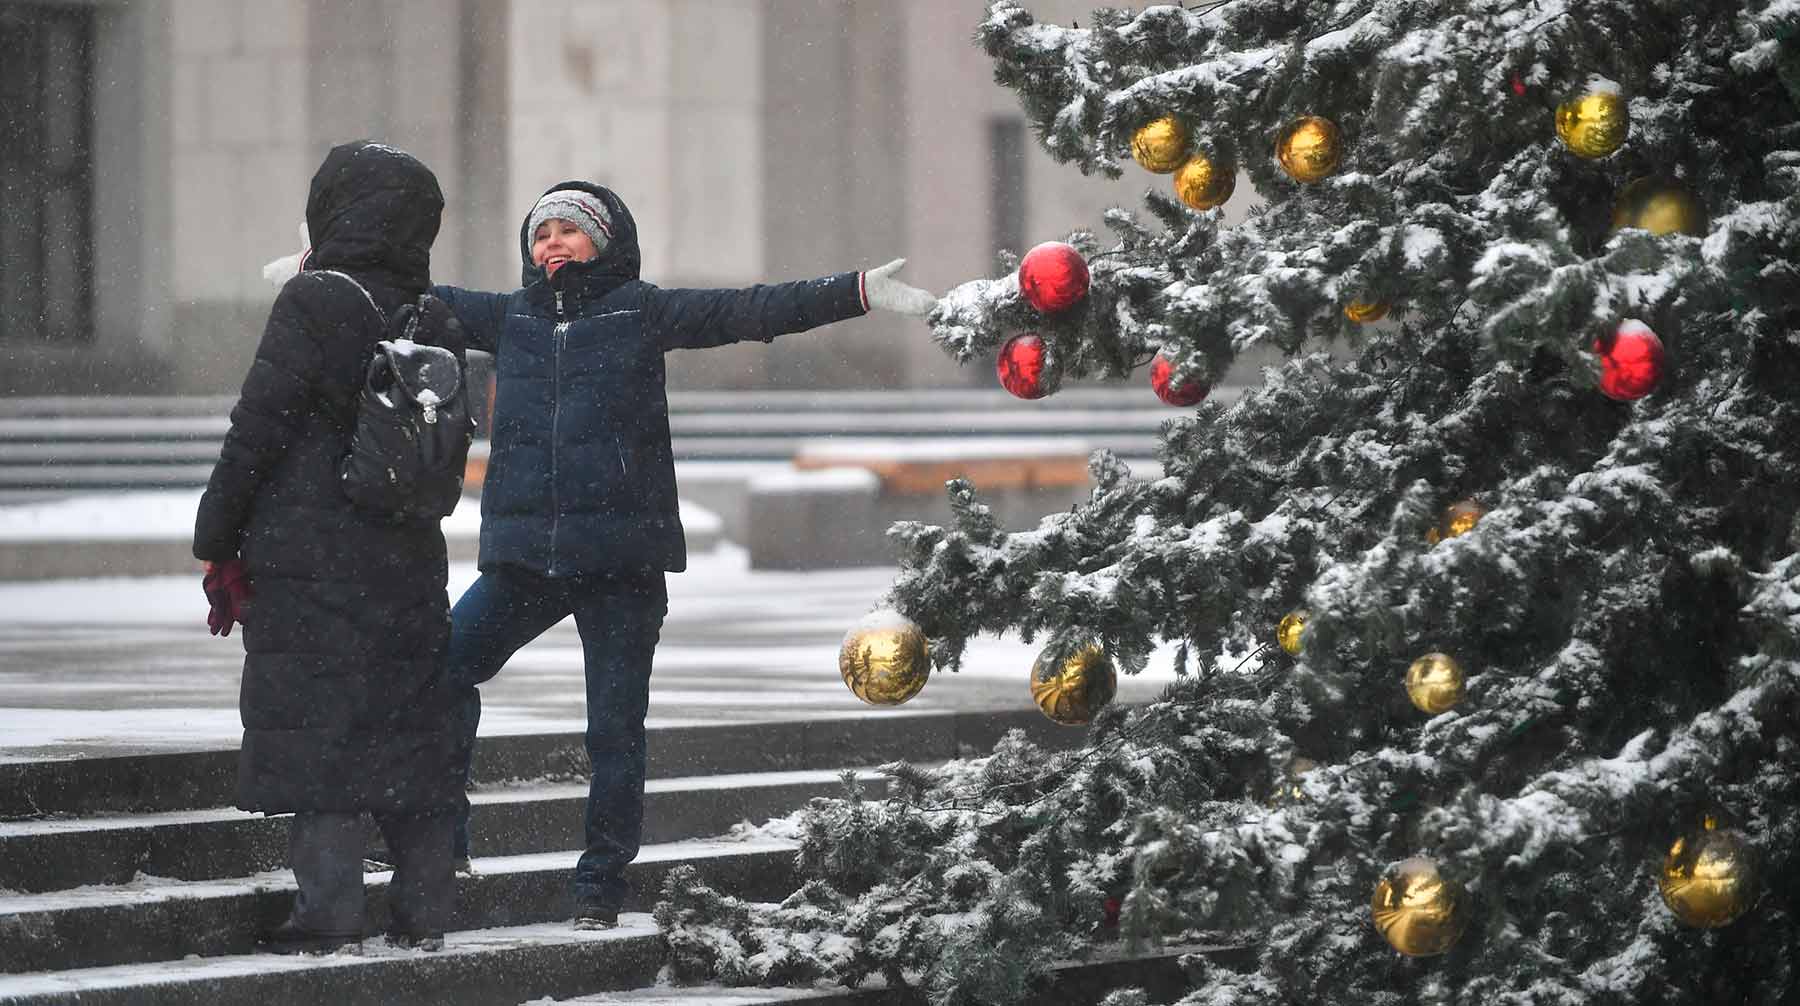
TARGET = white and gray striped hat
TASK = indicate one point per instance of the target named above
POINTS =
(585, 211)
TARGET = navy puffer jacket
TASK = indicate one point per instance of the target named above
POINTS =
(581, 474)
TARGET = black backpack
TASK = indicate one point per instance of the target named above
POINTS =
(410, 444)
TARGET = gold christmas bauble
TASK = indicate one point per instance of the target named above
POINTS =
(1420, 912)
(1659, 206)
(1435, 683)
(1288, 630)
(1594, 124)
(1310, 148)
(1363, 312)
(885, 659)
(1288, 790)
(1709, 877)
(1203, 184)
(1160, 145)
(1073, 691)
(1459, 519)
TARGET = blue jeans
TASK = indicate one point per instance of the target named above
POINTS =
(619, 616)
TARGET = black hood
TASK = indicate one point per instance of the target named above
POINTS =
(375, 209)
(619, 262)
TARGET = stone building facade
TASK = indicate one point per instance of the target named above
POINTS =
(159, 152)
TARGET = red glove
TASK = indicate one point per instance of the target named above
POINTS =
(227, 589)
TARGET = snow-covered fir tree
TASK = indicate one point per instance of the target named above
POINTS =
(1624, 608)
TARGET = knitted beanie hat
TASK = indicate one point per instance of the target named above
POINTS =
(585, 211)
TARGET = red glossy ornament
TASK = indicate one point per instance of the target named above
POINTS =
(1053, 277)
(1023, 366)
(1631, 361)
(1188, 392)
(1518, 85)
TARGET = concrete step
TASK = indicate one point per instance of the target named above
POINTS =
(526, 963)
(165, 940)
(64, 406)
(1157, 971)
(481, 967)
(153, 783)
(63, 477)
(159, 919)
(79, 439)
(57, 853)
(109, 452)
(1075, 397)
(79, 428)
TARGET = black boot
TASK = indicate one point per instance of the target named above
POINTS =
(593, 914)
(291, 938)
(430, 942)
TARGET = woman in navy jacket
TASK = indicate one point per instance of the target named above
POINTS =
(579, 513)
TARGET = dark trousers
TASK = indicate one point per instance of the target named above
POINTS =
(620, 618)
(326, 850)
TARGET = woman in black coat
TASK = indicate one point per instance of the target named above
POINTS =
(344, 699)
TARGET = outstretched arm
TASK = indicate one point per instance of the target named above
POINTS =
(696, 319)
(881, 291)
(482, 315)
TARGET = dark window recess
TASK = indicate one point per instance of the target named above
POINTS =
(46, 173)
(1006, 184)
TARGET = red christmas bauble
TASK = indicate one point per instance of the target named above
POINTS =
(1024, 368)
(1631, 361)
(1188, 392)
(1053, 277)
(1518, 85)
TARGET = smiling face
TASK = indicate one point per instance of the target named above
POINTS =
(557, 242)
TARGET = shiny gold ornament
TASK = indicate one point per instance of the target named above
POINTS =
(1202, 184)
(1363, 312)
(1072, 692)
(1659, 206)
(1287, 631)
(1459, 519)
(1594, 124)
(1418, 911)
(1435, 683)
(1709, 877)
(1288, 790)
(1160, 145)
(884, 659)
(1310, 148)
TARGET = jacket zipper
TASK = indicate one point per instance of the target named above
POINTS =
(555, 412)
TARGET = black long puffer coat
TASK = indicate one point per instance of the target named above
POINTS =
(344, 698)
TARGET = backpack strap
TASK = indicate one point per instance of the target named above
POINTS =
(379, 313)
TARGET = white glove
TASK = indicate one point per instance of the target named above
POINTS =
(889, 294)
(288, 266)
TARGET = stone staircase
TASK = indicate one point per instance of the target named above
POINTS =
(56, 446)
(130, 880)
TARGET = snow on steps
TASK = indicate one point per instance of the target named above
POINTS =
(153, 919)
(165, 781)
(479, 967)
(77, 822)
(533, 964)
(191, 845)
(1159, 972)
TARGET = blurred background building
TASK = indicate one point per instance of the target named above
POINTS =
(155, 153)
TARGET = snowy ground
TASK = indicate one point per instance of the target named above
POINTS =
(168, 515)
(91, 667)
